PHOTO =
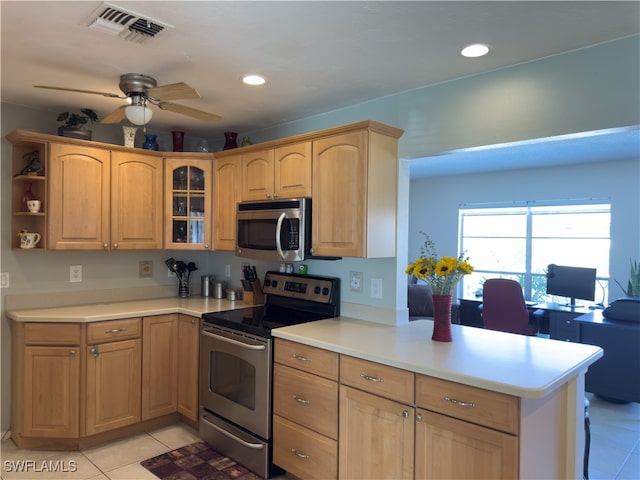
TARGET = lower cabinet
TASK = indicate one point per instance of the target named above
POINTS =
(71, 381)
(305, 405)
(188, 359)
(159, 365)
(392, 423)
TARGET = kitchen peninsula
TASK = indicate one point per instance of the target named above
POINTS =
(509, 406)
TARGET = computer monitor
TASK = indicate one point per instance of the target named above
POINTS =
(571, 282)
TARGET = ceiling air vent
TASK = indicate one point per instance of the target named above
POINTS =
(131, 26)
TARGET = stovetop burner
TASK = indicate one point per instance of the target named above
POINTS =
(291, 299)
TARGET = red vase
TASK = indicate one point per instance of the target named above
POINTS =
(178, 141)
(441, 318)
(230, 140)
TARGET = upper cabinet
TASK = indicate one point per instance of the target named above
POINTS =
(187, 211)
(355, 182)
(227, 182)
(281, 172)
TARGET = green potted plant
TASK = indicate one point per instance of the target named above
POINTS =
(73, 123)
(633, 286)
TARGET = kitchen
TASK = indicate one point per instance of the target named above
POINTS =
(119, 270)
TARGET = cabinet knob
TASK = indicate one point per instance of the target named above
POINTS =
(94, 351)
(206, 246)
(72, 353)
(105, 246)
(115, 245)
(419, 417)
(405, 414)
(275, 195)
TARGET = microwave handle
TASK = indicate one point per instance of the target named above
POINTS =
(278, 229)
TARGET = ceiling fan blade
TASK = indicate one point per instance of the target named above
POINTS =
(189, 112)
(93, 92)
(116, 116)
(174, 91)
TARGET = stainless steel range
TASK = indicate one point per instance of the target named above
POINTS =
(236, 363)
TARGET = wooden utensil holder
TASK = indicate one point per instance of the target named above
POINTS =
(255, 296)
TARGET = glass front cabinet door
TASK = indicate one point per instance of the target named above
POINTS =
(188, 203)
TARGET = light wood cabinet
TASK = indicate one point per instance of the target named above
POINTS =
(45, 381)
(227, 184)
(159, 365)
(355, 181)
(281, 172)
(113, 379)
(188, 359)
(305, 422)
(188, 206)
(454, 449)
(102, 200)
(376, 420)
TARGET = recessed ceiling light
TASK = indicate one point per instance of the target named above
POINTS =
(475, 50)
(253, 79)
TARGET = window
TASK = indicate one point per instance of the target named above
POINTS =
(520, 240)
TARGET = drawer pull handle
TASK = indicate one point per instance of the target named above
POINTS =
(459, 403)
(299, 455)
(115, 330)
(300, 400)
(300, 357)
(372, 379)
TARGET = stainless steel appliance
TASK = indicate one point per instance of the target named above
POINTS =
(274, 229)
(236, 360)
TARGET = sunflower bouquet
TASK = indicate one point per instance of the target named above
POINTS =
(442, 274)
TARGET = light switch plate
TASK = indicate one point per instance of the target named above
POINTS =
(376, 288)
(75, 273)
(4, 280)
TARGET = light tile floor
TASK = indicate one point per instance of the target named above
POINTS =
(615, 451)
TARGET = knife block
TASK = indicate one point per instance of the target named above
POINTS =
(255, 297)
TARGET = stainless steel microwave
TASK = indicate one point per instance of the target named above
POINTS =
(274, 229)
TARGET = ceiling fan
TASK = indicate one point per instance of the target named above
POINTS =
(139, 90)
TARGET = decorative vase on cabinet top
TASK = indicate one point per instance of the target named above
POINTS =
(230, 140)
(178, 140)
(150, 142)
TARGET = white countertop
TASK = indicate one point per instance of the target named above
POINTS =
(96, 312)
(527, 367)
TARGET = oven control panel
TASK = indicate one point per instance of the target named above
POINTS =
(308, 287)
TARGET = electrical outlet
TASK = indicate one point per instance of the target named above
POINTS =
(145, 268)
(4, 280)
(376, 288)
(355, 282)
(75, 273)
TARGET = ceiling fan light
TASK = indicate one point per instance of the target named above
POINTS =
(137, 114)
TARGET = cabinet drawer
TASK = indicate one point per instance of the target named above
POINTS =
(306, 399)
(484, 407)
(389, 382)
(302, 452)
(102, 332)
(52, 333)
(564, 329)
(310, 359)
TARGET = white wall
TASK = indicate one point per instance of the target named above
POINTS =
(435, 202)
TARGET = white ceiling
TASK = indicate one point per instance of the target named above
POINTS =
(317, 56)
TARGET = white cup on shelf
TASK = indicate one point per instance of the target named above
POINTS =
(34, 205)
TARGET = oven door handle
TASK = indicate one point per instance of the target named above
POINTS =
(233, 342)
(278, 230)
(256, 446)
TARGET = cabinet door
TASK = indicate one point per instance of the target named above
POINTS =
(159, 365)
(136, 201)
(188, 204)
(79, 204)
(376, 436)
(113, 385)
(339, 188)
(188, 355)
(453, 449)
(257, 175)
(227, 183)
(292, 170)
(51, 392)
